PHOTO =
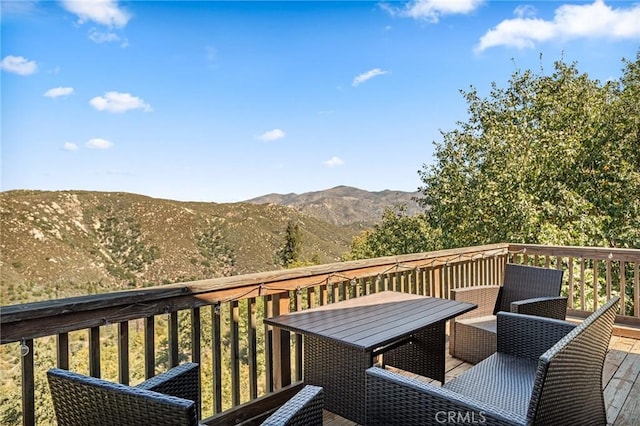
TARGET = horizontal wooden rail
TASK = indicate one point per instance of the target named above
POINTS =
(600, 253)
(32, 320)
(592, 276)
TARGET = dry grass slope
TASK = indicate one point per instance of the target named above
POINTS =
(63, 243)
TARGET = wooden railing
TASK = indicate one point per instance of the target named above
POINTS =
(592, 275)
(131, 335)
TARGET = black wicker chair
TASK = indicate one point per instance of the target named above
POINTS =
(305, 408)
(167, 399)
(526, 290)
(545, 372)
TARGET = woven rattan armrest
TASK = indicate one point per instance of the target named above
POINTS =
(394, 399)
(305, 408)
(550, 307)
(484, 296)
(529, 336)
(181, 381)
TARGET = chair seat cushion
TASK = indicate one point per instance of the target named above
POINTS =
(487, 322)
(502, 380)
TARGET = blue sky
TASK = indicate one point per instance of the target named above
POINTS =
(226, 101)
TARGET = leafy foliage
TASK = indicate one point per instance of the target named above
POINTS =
(550, 159)
(398, 233)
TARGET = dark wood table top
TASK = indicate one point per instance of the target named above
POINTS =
(371, 321)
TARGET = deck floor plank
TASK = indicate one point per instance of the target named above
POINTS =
(618, 350)
(630, 412)
(624, 405)
(617, 391)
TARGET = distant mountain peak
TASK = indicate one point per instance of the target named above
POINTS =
(343, 205)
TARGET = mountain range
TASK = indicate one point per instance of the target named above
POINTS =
(64, 243)
(344, 205)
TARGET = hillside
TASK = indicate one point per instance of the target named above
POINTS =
(344, 205)
(55, 244)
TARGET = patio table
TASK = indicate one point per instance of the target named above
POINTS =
(341, 340)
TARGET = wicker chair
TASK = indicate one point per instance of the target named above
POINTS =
(167, 399)
(545, 372)
(527, 290)
(305, 408)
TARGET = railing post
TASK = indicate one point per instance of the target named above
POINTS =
(437, 281)
(196, 350)
(123, 352)
(268, 344)
(281, 345)
(623, 287)
(149, 348)
(173, 339)
(28, 384)
(570, 282)
(234, 320)
(298, 337)
(323, 295)
(94, 352)
(596, 288)
(62, 357)
(253, 348)
(216, 358)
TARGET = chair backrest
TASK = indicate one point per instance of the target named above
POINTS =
(526, 282)
(82, 400)
(568, 384)
(305, 408)
(182, 381)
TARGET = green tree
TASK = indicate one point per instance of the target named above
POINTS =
(291, 253)
(397, 234)
(551, 159)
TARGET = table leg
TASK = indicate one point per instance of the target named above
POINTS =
(424, 356)
(340, 370)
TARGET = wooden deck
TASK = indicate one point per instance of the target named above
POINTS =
(621, 380)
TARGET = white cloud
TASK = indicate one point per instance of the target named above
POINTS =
(368, 75)
(272, 135)
(99, 37)
(98, 143)
(432, 10)
(103, 12)
(118, 102)
(595, 20)
(56, 92)
(525, 11)
(18, 65)
(519, 32)
(70, 146)
(333, 162)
